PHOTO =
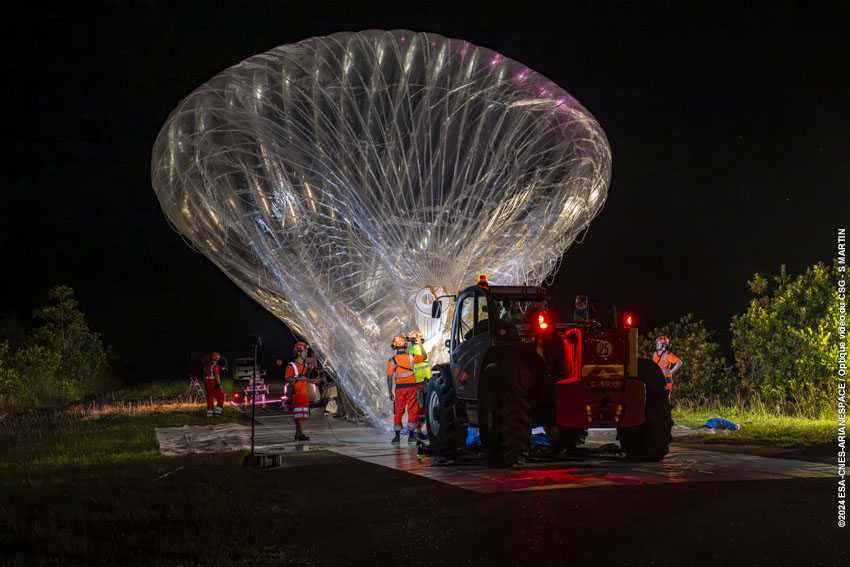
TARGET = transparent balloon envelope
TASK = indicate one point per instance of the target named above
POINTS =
(345, 182)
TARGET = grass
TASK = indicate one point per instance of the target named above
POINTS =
(150, 392)
(758, 427)
(165, 389)
(87, 485)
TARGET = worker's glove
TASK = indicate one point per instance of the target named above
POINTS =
(420, 397)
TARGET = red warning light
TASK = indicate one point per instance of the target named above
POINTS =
(628, 320)
(279, 362)
(543, 320)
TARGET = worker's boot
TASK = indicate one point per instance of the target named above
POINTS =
(412, 436)
(397, 439)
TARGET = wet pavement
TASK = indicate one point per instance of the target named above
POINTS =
(359, 500)
(597, 465)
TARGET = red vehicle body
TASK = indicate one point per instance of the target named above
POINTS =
(600, 386)
(512, 366)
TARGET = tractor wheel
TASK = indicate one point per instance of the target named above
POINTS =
(649, 441)
(564, 438)
(444, 432)
(505, 420)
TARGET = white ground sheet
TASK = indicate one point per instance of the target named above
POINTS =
(274, 433)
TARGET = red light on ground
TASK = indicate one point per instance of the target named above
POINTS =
(628, 320)
(279, 362)
(543, 320)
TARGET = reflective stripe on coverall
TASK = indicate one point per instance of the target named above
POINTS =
(422, 370)
(301, 399)
(211, 373)
(666, 361)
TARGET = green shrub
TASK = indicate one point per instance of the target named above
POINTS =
(82, 356)
(38, 383)
(785, 345)
(9, 377)
(60, 361)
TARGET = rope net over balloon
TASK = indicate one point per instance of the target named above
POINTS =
(345, 181)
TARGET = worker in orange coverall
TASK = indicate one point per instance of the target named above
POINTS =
(667, 361)
(297, 373)
(212, 381)
(400, 370)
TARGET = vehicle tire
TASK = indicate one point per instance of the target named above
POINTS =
(649, 441)
(564, 438)
(504, 416)
(444, 432)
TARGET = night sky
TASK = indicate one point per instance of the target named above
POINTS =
(728, 123)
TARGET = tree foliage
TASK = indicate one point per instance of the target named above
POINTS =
(60, 360)
(786, 343)
(9, 377)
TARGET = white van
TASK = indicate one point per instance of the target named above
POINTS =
(243, 368)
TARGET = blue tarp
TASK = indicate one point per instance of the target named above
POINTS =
(719, 423)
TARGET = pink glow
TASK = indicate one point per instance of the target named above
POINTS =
(259, 403)
(536, 479)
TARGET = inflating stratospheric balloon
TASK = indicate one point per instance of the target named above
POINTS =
(344, 180)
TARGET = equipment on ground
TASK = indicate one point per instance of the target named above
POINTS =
(257, 389)
(513, 366)
(196, 392)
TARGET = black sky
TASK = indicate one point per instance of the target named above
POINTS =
(728, 123)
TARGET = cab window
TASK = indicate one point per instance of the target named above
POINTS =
(465, 319)
(515, 318)
(482, 318)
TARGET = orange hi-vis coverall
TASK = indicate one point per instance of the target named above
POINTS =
(211, 373)
(400, 367)
(666, 361)
(301, 400)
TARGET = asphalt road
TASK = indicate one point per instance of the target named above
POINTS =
(356, 513)
(353, 512)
